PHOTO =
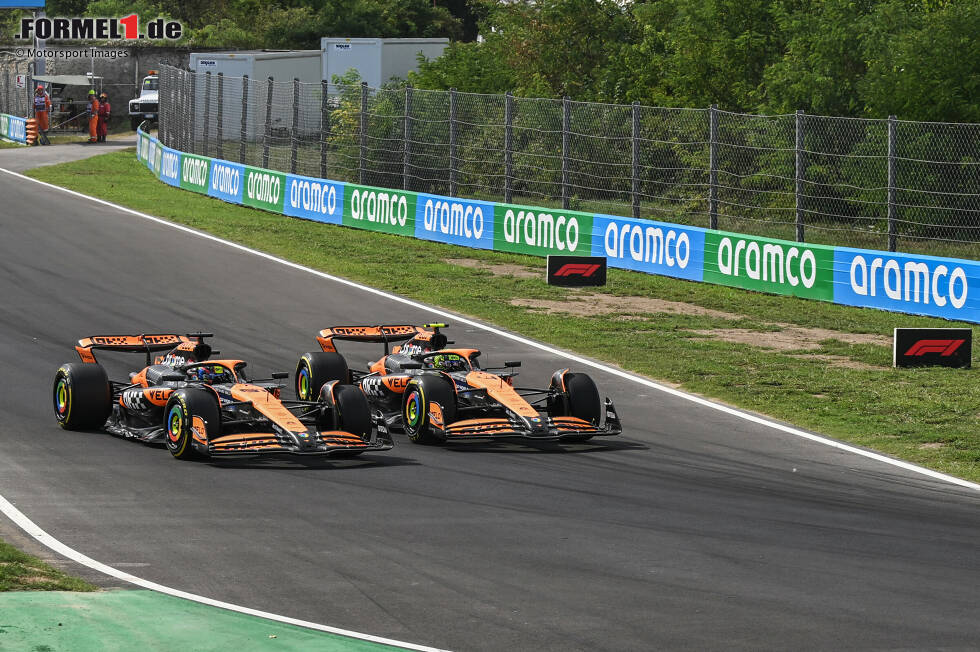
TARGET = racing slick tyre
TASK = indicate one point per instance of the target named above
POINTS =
(179, 414)
(82, 396)
(351, 413)
(420, 393)
(580, 399)
(315, 370)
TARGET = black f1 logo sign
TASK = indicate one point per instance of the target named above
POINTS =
(576, 271)
(932, 347)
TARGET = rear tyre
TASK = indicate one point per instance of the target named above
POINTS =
(581, 399)
(134, 123)
(418, 397)
(82, 396)
(178, 418)
(315, 370)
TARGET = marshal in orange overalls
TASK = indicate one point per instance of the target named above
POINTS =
(93, 117)
(42, 104)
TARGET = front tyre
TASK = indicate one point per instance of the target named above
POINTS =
(314, 370)
(351, 413)
(82, 396)
(178, 418)
(419, 395)
(579, 398)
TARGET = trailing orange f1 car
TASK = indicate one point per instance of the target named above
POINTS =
(198, 406)
(441, 394)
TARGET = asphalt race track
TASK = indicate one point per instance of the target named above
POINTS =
(694, 530)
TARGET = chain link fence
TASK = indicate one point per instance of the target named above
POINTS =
(882, 184)
(16, 100)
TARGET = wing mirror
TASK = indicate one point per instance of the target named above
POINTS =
(279, 375)
(513, 363)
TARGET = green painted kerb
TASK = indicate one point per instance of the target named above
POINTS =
(145, 620)
(194, 172)
(264, 189)
(541, 231)
(766, 265)
(380, 209)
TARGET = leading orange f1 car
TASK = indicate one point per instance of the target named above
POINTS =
(199, 406)
(441, 394)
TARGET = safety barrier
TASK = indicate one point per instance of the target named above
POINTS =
(13, 128)
(907, 283)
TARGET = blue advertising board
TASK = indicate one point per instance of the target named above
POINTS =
(455, 221)
(225, 181)
(314, 199)
(922, 285)
(648, 246)
(22, 4)
(170, 166)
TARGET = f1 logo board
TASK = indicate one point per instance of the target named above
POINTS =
(932, 347)
(577, 271)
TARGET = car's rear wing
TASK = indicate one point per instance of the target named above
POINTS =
(144, 343)
(382, 333)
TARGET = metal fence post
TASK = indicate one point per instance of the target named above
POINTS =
(892, 172)
(219, 146)
(30, 93)
(636, 159)
(362, 158)
(241, 147)
(713, 166)
(508, 147)
(799, 176)
(187, 121)
(566, 115)
(324, 126)
(452, 142)
(192, 119)
(267, 137)
(407, 145)
(294, 145)
(207, 111)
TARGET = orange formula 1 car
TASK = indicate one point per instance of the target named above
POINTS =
(441, 394)
(203, 407)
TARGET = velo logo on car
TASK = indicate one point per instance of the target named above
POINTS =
(932, 347)
(101, 29)
(576, 271)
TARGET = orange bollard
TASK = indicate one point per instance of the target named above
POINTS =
(32, 132)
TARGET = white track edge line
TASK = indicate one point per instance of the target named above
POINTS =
(44, 538)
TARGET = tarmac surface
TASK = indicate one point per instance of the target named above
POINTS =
(693, 530)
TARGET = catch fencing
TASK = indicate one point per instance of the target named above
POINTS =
(883, 184)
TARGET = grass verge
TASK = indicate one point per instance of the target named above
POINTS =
(831, 383)
(22, 572)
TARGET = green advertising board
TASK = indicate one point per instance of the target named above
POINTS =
(194, 172)
(264, 189)
(379, 209)
(541, 231)
(765, 265)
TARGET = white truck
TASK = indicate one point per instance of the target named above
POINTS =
(147, 105)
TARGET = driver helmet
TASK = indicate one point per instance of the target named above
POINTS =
(212, 374)
(448, 362)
